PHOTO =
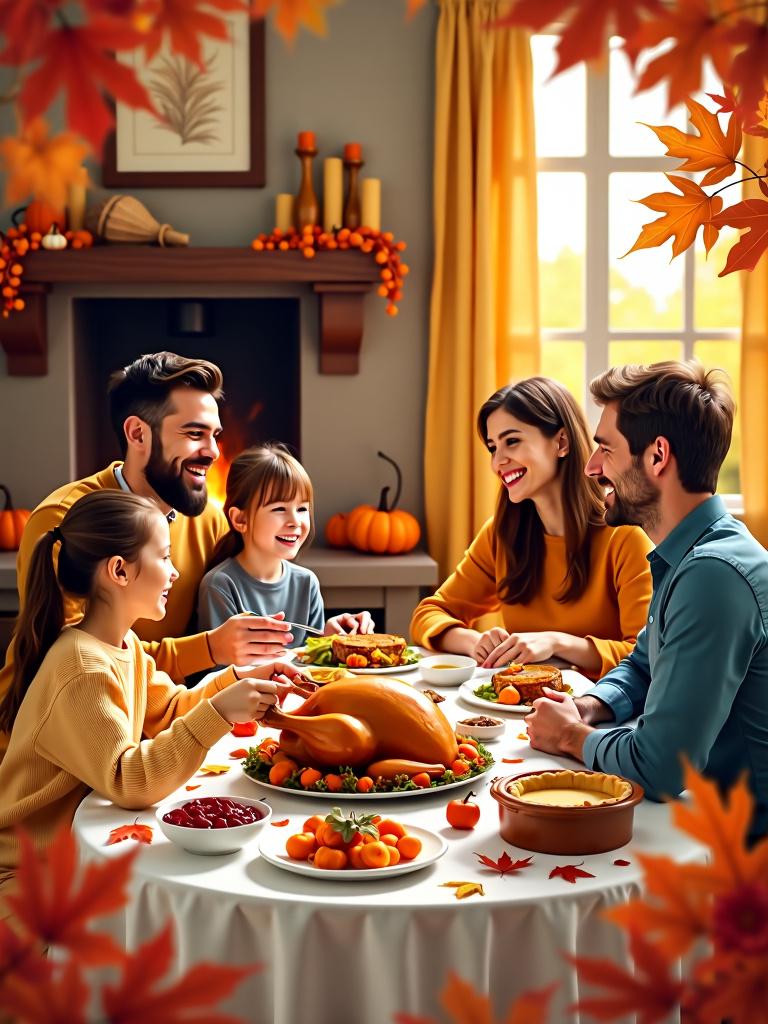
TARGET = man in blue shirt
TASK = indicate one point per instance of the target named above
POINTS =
(697, 680)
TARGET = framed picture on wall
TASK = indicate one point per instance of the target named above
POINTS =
(210, 123)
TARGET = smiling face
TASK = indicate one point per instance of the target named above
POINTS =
(523, 457)
(631, 497)
(277, 530)
(183, 449)
(152, 576)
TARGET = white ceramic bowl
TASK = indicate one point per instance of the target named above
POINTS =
(213, 840)
(481, 732)
(435, 670)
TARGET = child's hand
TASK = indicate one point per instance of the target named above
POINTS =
(245, 638)
(360, 622)
(246, 701)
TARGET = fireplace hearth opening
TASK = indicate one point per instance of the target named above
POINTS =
(256, 342)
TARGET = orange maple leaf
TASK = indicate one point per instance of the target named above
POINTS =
(698, 34)
(649, 991)
(141, 833)
(676, 915)
(751, 214)
(587, 24)
(79, 61)
(683, 216)
(135, 999)
(291, 15)
(709, 149)
(51, 904)
(724, 827)
(465, 1005)
(40, 166)
(183, 22)
(63, 999)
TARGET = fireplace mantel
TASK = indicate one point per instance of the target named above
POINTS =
(340, 280)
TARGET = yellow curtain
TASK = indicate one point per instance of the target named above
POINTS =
(484, 316)
(754, 371)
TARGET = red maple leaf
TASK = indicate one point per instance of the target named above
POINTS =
(751, 214)
(25, 24)
(747, 73)
(512, 760)
(239, 754)
(726, 103)
(141, 833)
(570, 872)
(190, 788)
(63, 999)
(587, 24)
(280, 824)
(649, 992)
(183, 22)
(504, 865)
(79, 61)
(51, 904)
(622, 863)
(135, 999)
(698, 34)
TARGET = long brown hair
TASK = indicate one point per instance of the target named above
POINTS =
(260, 476)
(548, 406)
(98, 526)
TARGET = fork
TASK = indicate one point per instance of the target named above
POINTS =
(300, 625)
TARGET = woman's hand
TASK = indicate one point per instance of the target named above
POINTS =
(360, 622)
(522, 648)
(250, 698)
(245, 638)
(487, 644)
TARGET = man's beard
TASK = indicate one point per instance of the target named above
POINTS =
(168, 482)
(638, 502)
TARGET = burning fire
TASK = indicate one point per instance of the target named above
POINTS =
(217, 477)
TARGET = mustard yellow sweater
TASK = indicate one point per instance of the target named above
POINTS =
(610, 612)
(104, 718)
(192, 542)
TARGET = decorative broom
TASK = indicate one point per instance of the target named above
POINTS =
(125, 219)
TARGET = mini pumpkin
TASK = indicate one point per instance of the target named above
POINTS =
(12, 522)
(386, 530)
(53, 239)
(40, 216)
(336, 531)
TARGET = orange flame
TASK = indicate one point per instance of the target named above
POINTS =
(217, 478)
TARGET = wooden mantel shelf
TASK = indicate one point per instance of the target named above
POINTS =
(340, 280)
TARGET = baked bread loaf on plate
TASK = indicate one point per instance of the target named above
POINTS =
(366, 645)
(528, 680)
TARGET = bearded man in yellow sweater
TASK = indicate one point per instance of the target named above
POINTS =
(164, 409)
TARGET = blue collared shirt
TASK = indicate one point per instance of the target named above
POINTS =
(698, 675)
(123, 483)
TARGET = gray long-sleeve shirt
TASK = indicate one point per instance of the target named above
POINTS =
(698, 676)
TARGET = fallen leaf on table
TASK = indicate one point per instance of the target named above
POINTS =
(141, 833)
(190, 788)
(464, 889)
(214, 769)
(512, 760)
(522, 735)
(281, 823)
(504, 865)
(622, 863)
(570, 872)
(240, 753)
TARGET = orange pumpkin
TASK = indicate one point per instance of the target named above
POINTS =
(386, 530)
(12, 523)
(336, 531)
(39, 216)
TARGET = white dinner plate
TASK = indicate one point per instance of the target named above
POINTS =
(272, 849)
(315, 793)
(386, 670)
(577, 682)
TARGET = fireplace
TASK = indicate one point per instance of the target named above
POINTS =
(255, 341)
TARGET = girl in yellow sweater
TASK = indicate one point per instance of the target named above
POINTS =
(566, 584)
(88, 708)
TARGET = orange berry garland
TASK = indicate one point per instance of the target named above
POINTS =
(311, 240)
(15, 243)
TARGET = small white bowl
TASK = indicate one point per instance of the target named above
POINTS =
(212, 841)
(447, 669)
(481, 732)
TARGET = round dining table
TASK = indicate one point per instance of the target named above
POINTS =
(361, 952)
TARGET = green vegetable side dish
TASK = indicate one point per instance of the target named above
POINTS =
(317, 651)
(258, 768)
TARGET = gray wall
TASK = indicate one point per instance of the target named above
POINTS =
(370, 80)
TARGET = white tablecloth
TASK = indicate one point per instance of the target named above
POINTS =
(359, 952)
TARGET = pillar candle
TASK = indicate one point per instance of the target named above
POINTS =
(76, 201)
(371, 203)
(283, 211)
(333, 193)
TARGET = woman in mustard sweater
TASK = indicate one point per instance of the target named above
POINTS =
(87, 708)
(565, 584)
